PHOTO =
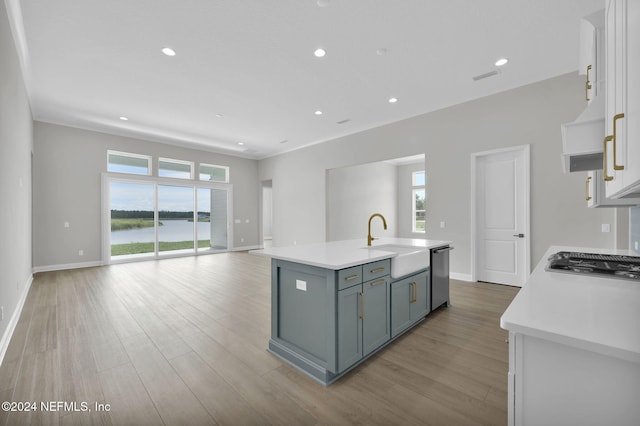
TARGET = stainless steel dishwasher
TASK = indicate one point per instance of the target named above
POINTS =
(440, 276)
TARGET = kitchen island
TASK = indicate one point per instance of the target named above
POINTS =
(574, 348)
(335, 304)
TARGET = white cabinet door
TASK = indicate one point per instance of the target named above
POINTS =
(595, 193)
(588, 66)
(622, 145)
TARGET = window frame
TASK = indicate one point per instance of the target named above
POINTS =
(149, 159)
(414, 211)
(226, 172)
(191, 165)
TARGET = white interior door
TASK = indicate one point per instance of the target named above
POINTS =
(502, 216)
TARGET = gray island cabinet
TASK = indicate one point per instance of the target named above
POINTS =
(335, 304)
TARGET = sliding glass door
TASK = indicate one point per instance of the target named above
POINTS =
(132, 219)
(150, 218)
(175, 219)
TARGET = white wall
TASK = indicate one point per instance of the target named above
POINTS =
(527, 115)
(16, 145)
(354, 194)
(68, 163)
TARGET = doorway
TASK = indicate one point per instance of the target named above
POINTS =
(267, 214)
(500, 216)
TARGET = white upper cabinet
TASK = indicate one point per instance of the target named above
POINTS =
(595, 196)
(582, 138)
(621, 167)
(588, 65)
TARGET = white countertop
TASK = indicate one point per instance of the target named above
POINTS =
(343, 254)
(585, 311)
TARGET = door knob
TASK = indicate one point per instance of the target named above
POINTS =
(519, 235)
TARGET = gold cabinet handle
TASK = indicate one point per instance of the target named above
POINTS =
(607, 178)
(382, 281)
(615, 157)
(588, 193)
(351, 277)
(587, 85)
(375, 271)
(361, 314)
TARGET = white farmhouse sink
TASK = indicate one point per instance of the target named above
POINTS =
(408, 259)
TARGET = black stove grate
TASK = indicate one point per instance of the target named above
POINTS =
(614, 266)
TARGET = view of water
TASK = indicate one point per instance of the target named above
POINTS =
(171, 230)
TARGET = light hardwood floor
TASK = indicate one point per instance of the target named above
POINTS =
(183, 341)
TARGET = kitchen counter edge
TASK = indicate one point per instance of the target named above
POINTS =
(585, 311)
(346, 253)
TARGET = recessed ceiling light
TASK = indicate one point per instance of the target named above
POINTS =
(218, 115)
(319, 53)
(322, 3)
(393, 100)
(168, 51)
(123, 118)
(502, 61)
(381, 51)
(241, 143)
(318, 112)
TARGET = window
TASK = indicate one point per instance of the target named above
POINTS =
(153, 216)
(145, 217)
(175, 168)
(418, 201)
(124, 162)
(213, 173)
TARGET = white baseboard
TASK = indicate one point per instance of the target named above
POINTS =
(13, 322)
(49, 268)
(461, 277)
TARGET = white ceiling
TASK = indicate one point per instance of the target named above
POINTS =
(251, 62)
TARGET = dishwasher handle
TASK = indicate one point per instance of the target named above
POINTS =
(442, 249)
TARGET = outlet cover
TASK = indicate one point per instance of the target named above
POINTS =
(606, 227)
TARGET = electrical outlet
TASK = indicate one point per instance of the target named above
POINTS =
(67, 224)
(80, 252)
(242, 240)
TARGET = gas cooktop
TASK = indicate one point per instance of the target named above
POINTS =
(610, 265)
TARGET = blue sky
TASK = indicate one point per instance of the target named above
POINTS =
(140, 196)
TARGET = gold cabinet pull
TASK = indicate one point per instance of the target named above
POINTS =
(615, 157)
(382, 281)
(588, 193)
(587, 85)
(361, 314)
(375, 271)
(413, 292)
(351, 277)
(607, 178)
